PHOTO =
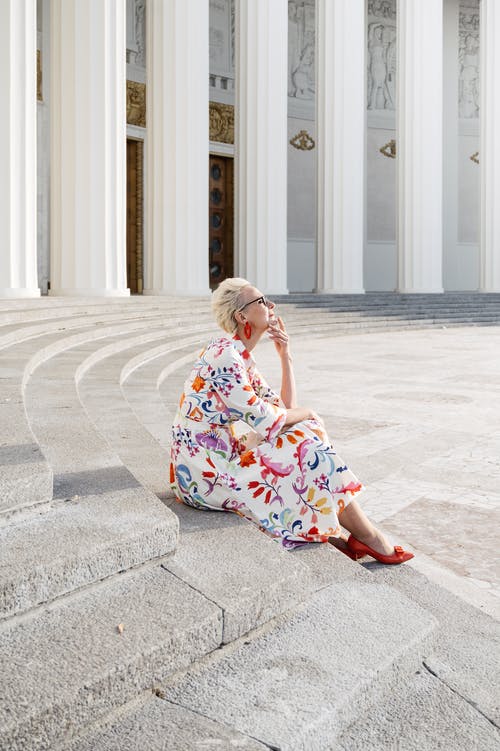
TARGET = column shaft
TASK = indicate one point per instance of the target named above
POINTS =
(177, 147)
(18, 270)
(88, 137)
(420, 145)
(489, 153)
(450, 145)
(261, 142)
(340, 122)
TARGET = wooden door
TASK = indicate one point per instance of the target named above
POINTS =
(135, 150)
(221, 207)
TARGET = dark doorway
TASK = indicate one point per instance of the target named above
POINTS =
(135, 266)
(221, 222)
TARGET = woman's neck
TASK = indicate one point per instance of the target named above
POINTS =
(252, 341)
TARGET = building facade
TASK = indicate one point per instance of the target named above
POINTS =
(157, 146)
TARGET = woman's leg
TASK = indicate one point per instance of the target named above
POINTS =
(354, 519)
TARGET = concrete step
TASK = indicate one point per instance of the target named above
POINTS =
(310, 328)
(101, 519)
(159, 725)
(452, 699)
(98, 379)
(296, 683)
(50, 308)
(13, 333)
(142, 378)
(385, 298)
(423, 715)
(25, 474)
(71, 663)
(468, 666)
(387, 304)
(26, 478)
(345, 316)
(110, 525)
(301, 683)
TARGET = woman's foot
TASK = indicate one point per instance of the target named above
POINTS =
(341, 544)
(359, 549)
(376, 541)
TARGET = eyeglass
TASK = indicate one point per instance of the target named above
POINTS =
(262, 300)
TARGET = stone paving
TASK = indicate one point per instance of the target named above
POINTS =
(416, 415)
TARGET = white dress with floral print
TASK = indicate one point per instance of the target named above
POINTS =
(291, 483)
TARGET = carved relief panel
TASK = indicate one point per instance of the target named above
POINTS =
(136, 103)
(222, 38)
(468, 55)
(301, 39)
(136, 32)
(381, 55)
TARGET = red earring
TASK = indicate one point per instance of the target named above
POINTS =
(247, 330)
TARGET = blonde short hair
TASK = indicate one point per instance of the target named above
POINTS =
(226, 300)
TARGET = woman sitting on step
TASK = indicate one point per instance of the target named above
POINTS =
(284, 475)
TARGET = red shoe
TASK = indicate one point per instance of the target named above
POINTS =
(359, 549)
(350, 554)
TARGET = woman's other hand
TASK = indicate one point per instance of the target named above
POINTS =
(277, 333)
(298, 414)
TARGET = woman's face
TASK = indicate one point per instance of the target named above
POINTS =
(258, 311)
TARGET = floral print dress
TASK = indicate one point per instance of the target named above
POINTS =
(288, 481)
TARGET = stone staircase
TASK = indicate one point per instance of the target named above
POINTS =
(128, 621)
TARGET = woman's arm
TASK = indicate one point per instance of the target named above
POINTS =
(279, 336)
(297, 414)
(294, 414)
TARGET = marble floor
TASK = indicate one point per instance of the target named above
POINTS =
(416, 415)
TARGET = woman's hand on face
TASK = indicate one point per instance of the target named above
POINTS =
(277, 333)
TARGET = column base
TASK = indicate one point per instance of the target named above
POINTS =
(76, 292)
(435, 291)
(271, 292)
(318, 291)
(12, 292)
(177, 292)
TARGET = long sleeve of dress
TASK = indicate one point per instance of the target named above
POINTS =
(240, 395)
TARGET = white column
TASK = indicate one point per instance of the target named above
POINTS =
(18, 269)
(340, 123)
(489, 150)
(420, 145)
(261, 142)
(88, 141)
(177, 147)
(451, 259)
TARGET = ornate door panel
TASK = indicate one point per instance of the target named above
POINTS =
(134, 216)
(220, 250)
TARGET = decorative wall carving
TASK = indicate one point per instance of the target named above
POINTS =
(136, 103)
(39, 95)
(389, 149)
(136, 32)
(233, 31)
(382, 61)
(140, 32)
(221, 44)
(382, 8)
(468, 55)
(221, 118)
(301, 39)
(303, 141)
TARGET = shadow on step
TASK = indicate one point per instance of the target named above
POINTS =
(93, 482)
